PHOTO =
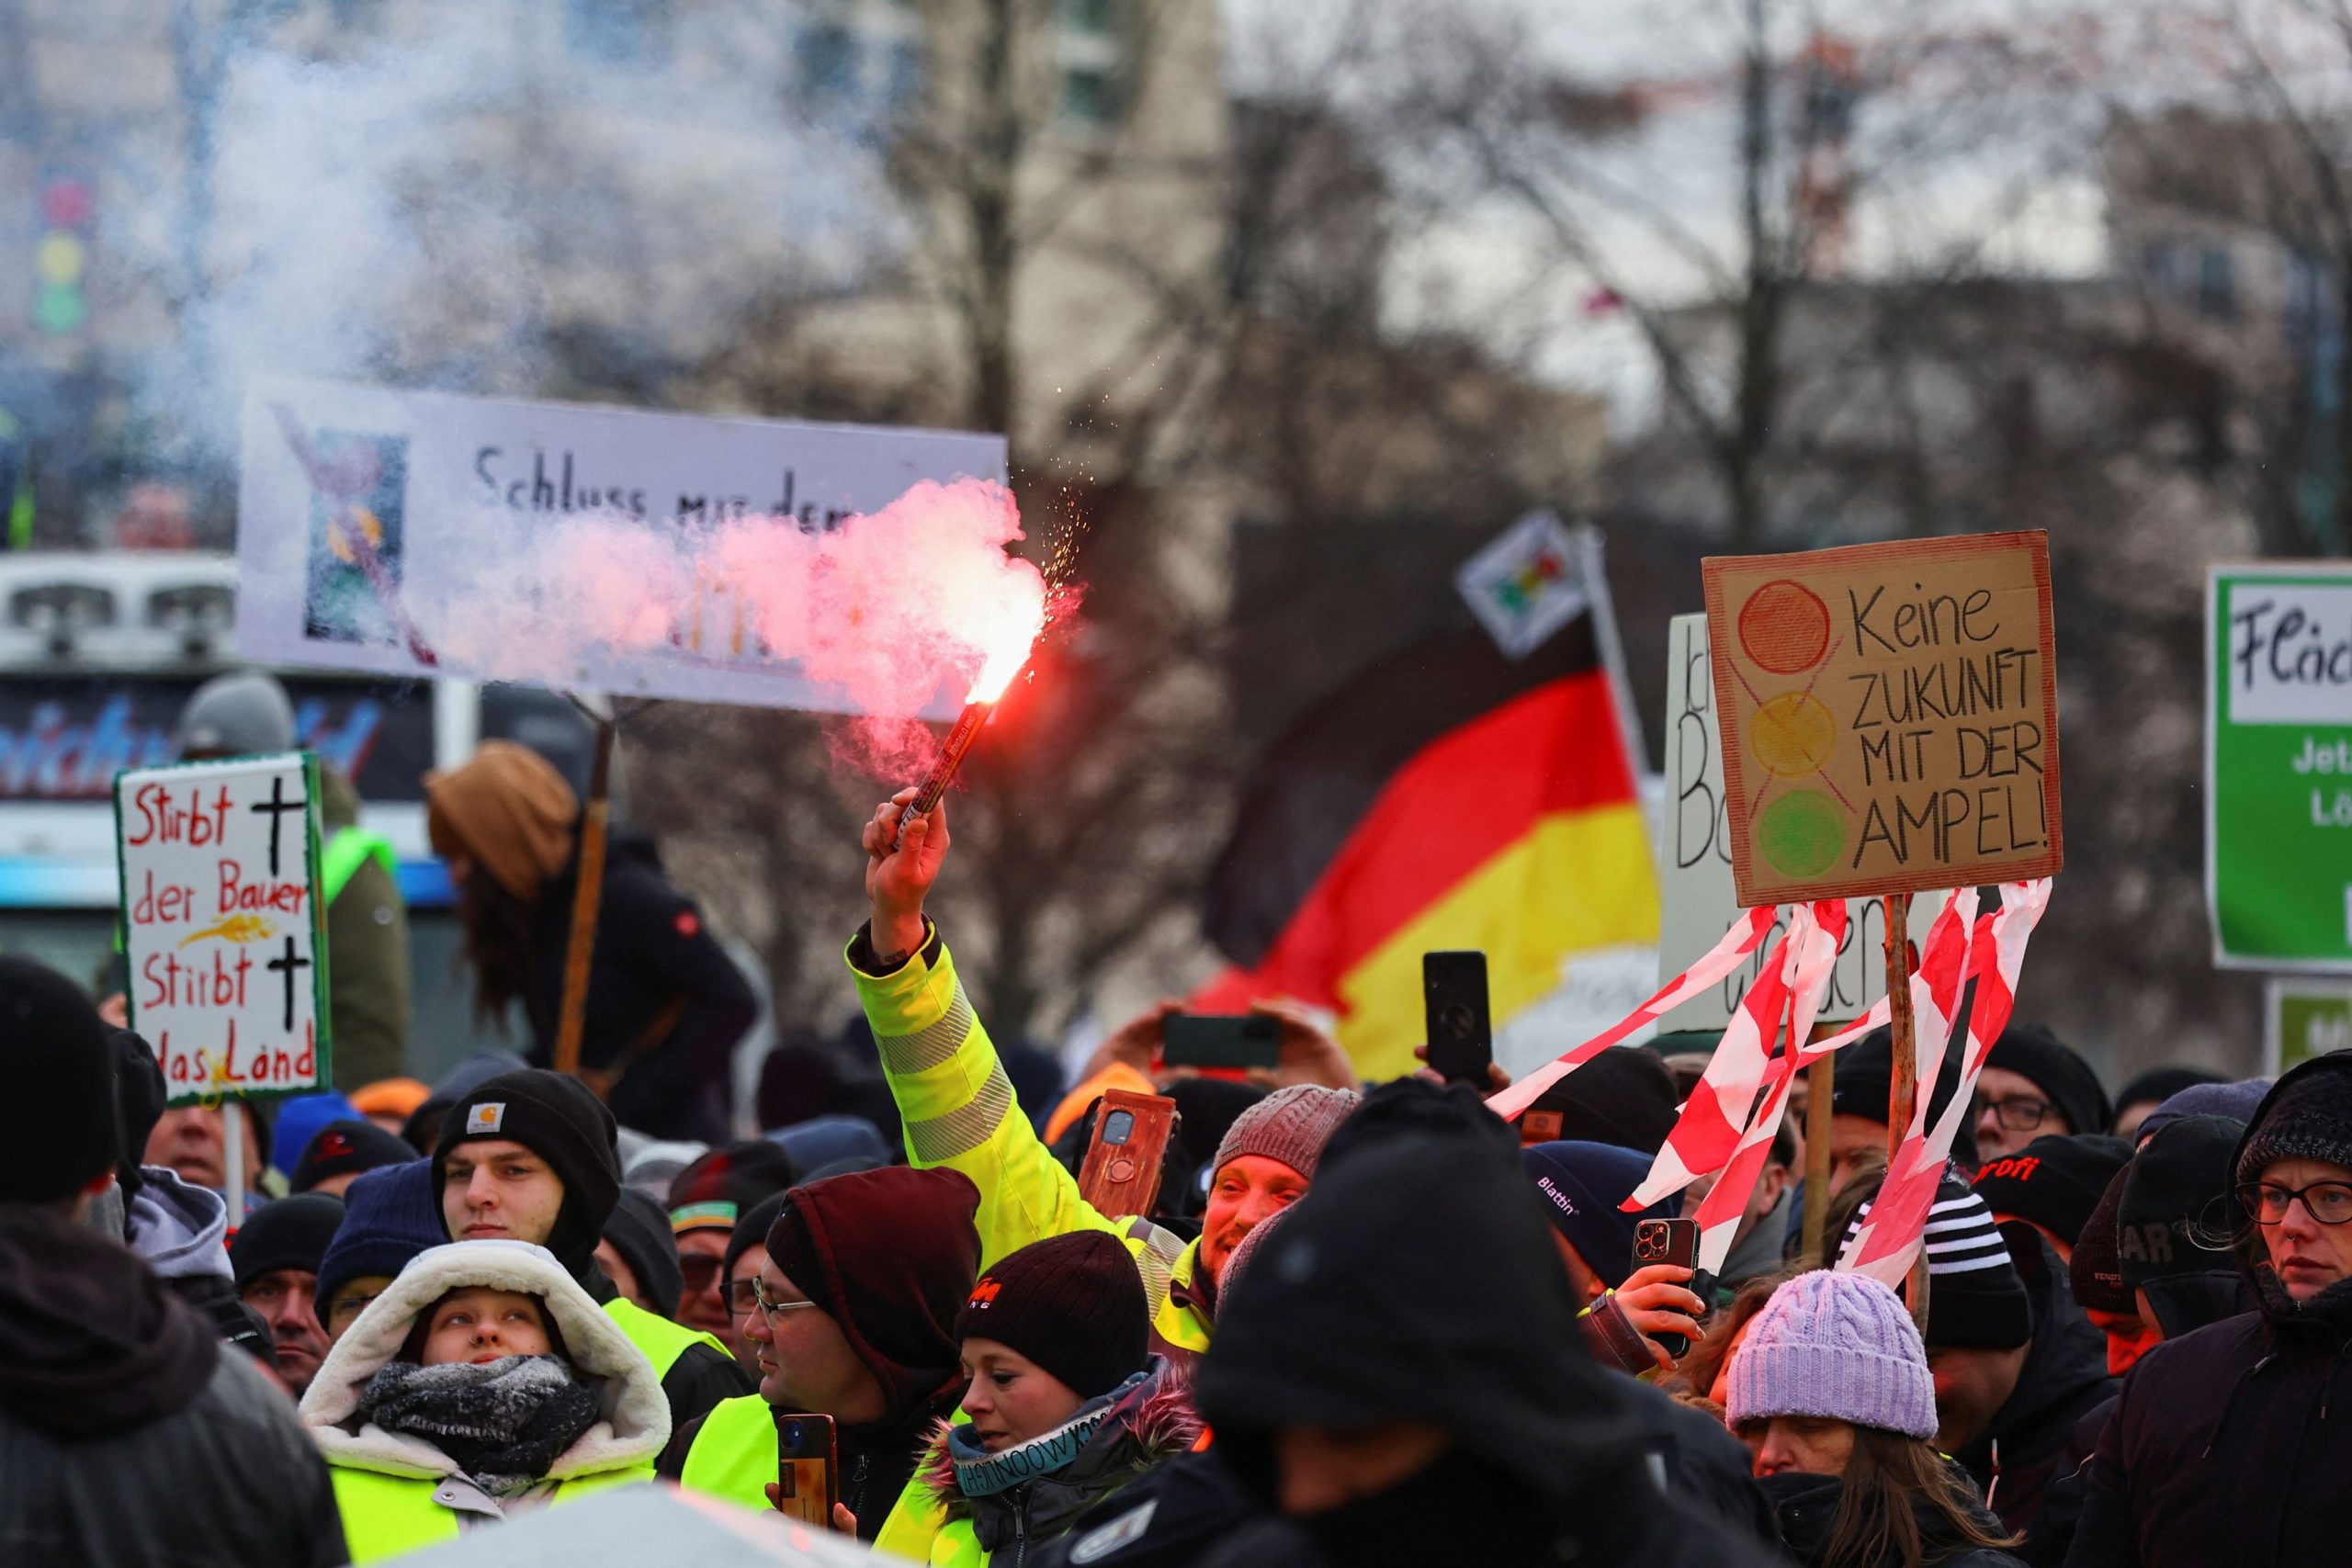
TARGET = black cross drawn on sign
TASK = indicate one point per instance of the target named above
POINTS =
(278, 805)
(288, 965)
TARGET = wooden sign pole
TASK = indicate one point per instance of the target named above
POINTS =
(587, 899)
(1821, 1084)
(1904, 1092)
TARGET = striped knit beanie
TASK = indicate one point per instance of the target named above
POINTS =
(1975, 1299)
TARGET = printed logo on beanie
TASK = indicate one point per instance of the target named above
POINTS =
(333, 1145)
(2143, 1244)
(1543, 1185)
(985, 1293)
(2012, 1168)
(487, 1118)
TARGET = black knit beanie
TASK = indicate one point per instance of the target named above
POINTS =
(640, 1231)
(2095, 1269)
(1624, 1096)
(1073, 1304)
(2031, 1052)
(1864, 1077)
(2309, 1118)
(2158, 1085)
(2177, 1217)
(139, 1100)
(292, 1233)
(2054, 1181)
(57, 1121)
(345, 1148)
(559, 1119)
(750, 1231)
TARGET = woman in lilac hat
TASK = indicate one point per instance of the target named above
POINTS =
(1831, 1392)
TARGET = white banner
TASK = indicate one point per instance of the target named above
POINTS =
(1696, 901)
(221, 928)
(374, 529)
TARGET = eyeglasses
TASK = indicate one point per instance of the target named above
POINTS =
(742, 1295)
(2329, 1202)
(2018, 1113)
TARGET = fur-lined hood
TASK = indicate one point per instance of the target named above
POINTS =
(633, 1415)
(1150, 1422)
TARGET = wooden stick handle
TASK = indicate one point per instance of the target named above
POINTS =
(1902, 1092)
(587, 900)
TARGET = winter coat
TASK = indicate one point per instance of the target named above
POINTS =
(1142, 1423)
(1806, 1506)
(959, 1112)
(1168, 1516)
(1417, 1280)
(367, 970)
(2222, 1451)
(665, 1004)
(2029, 1443)
(113, 1394)
(399, 1492)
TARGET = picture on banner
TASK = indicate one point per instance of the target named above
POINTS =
(1888, 715)
(2278, 764)
(223, 933)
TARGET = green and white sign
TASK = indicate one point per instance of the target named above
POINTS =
(2278, 765)
(2303, 1019)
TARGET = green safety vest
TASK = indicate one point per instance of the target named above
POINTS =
(346, 852)
(384, 1515)
(662, 1341)
(734, 1454)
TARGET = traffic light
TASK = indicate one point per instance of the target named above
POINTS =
(62, 259)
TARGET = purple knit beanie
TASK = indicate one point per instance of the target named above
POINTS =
(1289, 1126)
(1834, 1345)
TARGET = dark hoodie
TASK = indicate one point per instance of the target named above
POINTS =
(1418, 1281)
(665, 1003)
(2222, 1451)
(889, 1256)
(109, 1383)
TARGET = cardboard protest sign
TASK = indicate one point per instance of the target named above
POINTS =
(362, 511)
(1888, 714)
(1696, 901)
(221, 928)
(2278, 764)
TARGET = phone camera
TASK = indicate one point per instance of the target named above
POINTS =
(1118, 1126)
(792, 1434)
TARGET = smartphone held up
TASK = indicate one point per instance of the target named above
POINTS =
(1461, 1031)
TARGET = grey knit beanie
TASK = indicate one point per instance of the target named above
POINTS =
(1289, 1127)
(1834, 1345)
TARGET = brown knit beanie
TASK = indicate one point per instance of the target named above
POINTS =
(1072, 1304)
(508, 809)
(1289, 1127)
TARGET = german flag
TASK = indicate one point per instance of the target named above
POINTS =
(1447, 797)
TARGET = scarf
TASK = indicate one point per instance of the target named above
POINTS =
(980, 1474)
(503, 1423)
(1041, 1486)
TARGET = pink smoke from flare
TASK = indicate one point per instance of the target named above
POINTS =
(917, 604)
(918, 601)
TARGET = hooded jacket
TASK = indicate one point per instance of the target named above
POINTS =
(2222, 1452)
(895, 1255)
(1806, 1507)
(2029, 1441)
(109, 1383)
(399, 1492)
(1417, 1280)
(1142, 1423)
(959, 1111)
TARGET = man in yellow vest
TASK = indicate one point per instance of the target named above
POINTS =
(531, 1155)
(368, 964)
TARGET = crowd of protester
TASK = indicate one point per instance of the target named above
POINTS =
(1363, 1323)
